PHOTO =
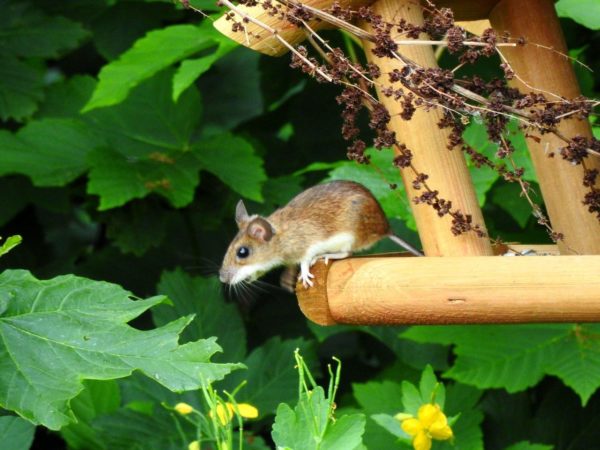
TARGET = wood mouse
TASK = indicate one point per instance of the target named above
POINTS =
(330, 221)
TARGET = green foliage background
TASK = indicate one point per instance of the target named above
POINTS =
(129, 131)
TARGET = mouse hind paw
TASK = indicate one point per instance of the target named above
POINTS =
(327, 256)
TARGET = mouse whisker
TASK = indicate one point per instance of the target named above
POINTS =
(266, 286)
(202, 270)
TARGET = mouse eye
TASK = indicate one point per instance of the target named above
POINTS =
(242, 252)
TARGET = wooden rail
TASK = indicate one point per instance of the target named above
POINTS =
(453, 290)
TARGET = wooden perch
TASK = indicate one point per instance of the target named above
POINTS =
(453, 290)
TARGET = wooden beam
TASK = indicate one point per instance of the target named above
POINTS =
(549, 72)
(454, 290)
(447, 170)
(260, 40)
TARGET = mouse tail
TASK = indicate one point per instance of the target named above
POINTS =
(289, 278)
(402, 243)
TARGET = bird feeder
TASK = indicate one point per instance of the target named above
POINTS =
(461, 279)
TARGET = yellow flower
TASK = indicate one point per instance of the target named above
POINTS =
(225, 413)
(248, 411)
(194, 445)
(431, 423)
(183, 408)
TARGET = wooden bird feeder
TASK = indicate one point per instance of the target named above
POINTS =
(460, 280)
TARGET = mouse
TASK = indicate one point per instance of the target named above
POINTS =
(330, 221)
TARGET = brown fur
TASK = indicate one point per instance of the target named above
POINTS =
(327, 209)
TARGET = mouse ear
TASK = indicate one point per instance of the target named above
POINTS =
(241, 215)
(260, 229)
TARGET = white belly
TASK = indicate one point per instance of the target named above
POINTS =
(338, 243)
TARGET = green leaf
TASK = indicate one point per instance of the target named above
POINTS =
(52, 152)
(15, 433)
(384, 396)
(379, 400)
(271, 374)
(154, 52)
(233, 90)
(114, 32)
(27, 32)
(234, 161)
(431, 390)
(14, 204)
(138, 389)
(410, 353)
(411, 398)
(392, 425)
(96, 399)
(306, 426)
(117, 179)
(137, 227)
(153, 431)
(278, 191)
(483, 179)
(213, 316)
(508, 197)
(585, 12)
(191, 69)
(205, 5)
(149, 121)
(59, 332)
(517, 357)
(149, 136)
(585, 76)
(21, 88)
(345, 433)
(65, 99)
(462, 401)
(10, 243)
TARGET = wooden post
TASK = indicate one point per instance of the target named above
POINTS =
(395, 291)
(447, 170)
(548, 71)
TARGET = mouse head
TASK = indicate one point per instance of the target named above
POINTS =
(251, 253)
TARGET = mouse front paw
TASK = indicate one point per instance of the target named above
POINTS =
(306, 280)
(305, 276)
